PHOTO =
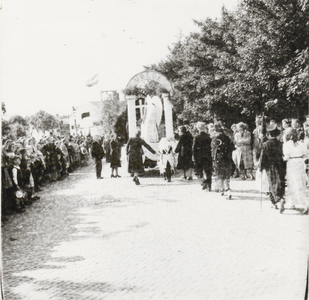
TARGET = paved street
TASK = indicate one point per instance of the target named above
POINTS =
(109, 239)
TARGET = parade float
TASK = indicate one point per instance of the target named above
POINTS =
(149, 109)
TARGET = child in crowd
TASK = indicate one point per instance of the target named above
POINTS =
(17, 176)
(167, 159)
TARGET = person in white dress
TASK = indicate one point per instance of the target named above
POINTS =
(295, 152)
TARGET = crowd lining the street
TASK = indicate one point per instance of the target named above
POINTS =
(27, 165)
(278, 153)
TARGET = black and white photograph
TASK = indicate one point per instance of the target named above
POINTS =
(154, 149)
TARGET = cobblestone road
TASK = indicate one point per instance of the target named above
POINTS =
(109, 239)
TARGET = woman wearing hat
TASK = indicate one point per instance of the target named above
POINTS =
(272, 161)
(243, 145)
(295, 152)
(184, 148)
(221, 151)
(202, 156)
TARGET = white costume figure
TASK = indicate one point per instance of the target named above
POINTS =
(295, 154)
(152, 119)
(167, 161)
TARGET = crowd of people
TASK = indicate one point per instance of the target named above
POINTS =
(27, 165)
(277, 151)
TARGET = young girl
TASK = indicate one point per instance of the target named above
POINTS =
(167, 160)
(115, 155)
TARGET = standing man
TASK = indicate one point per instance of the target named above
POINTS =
(97, 153)
(202, 156)
(272, 162)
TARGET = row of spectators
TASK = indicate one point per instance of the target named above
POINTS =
(27, 165)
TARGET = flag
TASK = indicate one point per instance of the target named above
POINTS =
(85, 115)
(94, 80)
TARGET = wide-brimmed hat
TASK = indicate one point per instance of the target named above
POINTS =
(273, 129)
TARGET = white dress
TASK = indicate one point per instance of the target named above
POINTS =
(295, 154)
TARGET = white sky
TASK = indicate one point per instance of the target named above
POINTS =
(50, 48)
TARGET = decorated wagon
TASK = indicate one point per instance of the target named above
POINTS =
(150, 110)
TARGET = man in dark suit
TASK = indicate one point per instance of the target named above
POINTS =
(202, 156)
(97, 153)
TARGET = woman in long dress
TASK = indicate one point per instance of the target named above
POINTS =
(184, 148)
(135, 155)
(295, 153)
(221, 151)
(115, 155)
(243, 145)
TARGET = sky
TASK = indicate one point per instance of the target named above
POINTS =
(50, 48)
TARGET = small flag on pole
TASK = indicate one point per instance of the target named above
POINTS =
(93, 81)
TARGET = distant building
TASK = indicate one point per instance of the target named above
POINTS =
(109, 95)
(86, 119)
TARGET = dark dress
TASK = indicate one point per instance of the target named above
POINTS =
(202, 153)
(272, 161)
(184, 148)
(135, 153)
(222, 148)
(107, 149)
(115, 154)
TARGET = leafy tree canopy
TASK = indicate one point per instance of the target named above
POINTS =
(44, 121)
(253, 60)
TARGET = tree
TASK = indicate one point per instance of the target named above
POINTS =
(43, 121)
(251, 61)
(15, 127)
(110, 111)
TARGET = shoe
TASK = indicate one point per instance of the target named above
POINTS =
(222, 194)
(204, 186)
(190, 178)
(282, 202)
(274, 206)
(113, 176)
(100, 177)
(136, 181)
(118, 176)
(168, 180)
(305, 211)
(229, 197)
(35, 198)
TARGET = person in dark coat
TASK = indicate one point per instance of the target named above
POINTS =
(52, 162)
(272, 161)
(135, 155)
(202, 156)
(184, 148)
(97, 153)
(221, 151)
(115, 151)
